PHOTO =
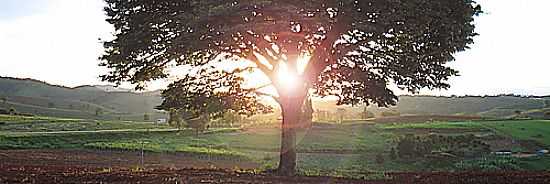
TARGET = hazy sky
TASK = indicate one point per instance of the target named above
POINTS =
(57, 41)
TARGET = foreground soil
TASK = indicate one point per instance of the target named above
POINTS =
(62, 174)
(107, 167)
(116, 159)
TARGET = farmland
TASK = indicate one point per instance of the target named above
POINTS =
(349, 150)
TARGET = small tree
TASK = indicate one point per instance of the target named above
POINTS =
(98, 111)
(307, 114)
(12, 111)
(393, 154)
(146, 117)
(229, 119)
(198, 124)
(366, 114)
(406, 146)
(175, 119)
(379, 158)
(340, 113)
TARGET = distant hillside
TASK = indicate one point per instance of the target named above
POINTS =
(502, 106)
(106, 88)
(40, 98)
(94, 102)
(492, 106)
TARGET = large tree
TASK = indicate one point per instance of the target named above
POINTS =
(356, 49)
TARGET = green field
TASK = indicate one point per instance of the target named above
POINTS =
(325, 149)
(538, 130)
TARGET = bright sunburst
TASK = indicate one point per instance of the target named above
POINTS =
(287, 79)
(290, 79)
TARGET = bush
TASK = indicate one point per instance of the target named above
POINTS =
(393, 154)
(462, 145)
(379, 159)
(146, 117)
(12, 111)
(405, 146)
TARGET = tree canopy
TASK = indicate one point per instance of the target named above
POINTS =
(196, 95)
(357, 47)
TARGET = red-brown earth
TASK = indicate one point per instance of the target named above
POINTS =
(119, 167)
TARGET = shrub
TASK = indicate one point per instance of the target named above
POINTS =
(393, 154)
(379, 158)
(12, 111)
(146, 117)
(405, 146)
(462, 145)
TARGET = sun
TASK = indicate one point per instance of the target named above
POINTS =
(287, 79)
(291, 79)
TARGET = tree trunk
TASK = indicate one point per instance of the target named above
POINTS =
(291, 108)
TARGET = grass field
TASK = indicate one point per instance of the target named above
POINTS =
(48, 124)
(325, 149)
(433, 125)
(538, 130)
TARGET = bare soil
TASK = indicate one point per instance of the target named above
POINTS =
(93, 167)
(117, 159)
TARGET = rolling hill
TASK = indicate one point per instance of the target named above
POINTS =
(501, 106)
(109, 102)
(89, 102)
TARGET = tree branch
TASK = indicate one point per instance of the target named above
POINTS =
(268, 72)
(276, 98)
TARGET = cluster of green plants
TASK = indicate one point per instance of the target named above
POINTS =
(410, 146)
(492, 163)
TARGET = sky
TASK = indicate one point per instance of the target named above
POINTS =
(58, 41)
